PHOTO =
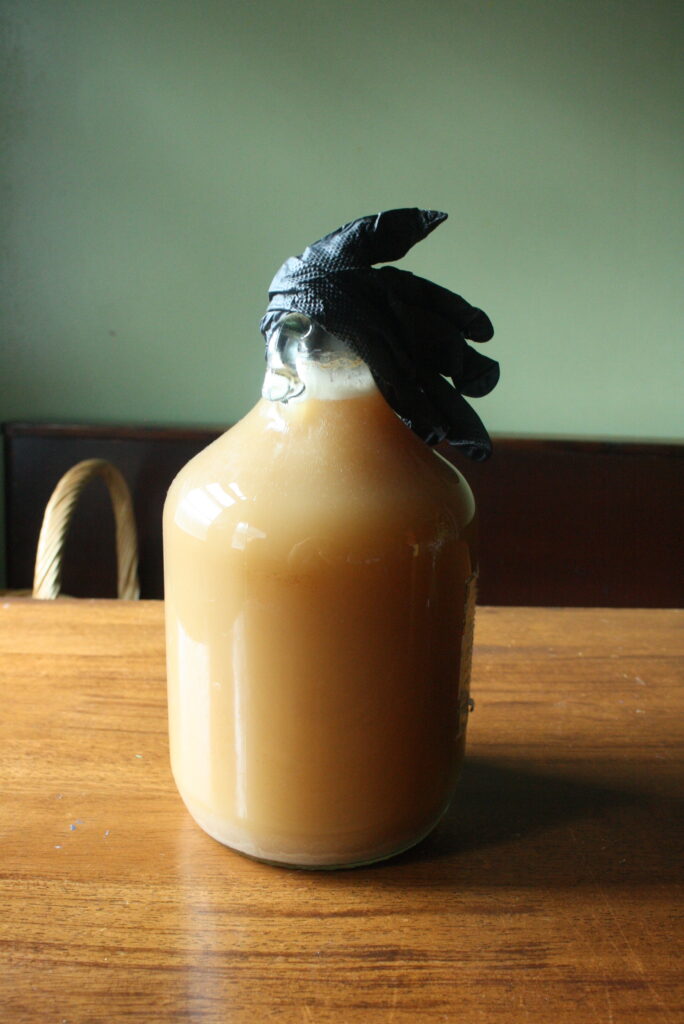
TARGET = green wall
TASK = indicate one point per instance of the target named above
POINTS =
(161, 159)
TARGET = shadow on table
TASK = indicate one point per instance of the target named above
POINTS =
(517, 825)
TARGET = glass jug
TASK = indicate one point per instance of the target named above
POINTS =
(320, 571)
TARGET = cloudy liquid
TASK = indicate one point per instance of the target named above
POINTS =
(319, 572)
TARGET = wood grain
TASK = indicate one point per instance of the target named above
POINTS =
(549, 893)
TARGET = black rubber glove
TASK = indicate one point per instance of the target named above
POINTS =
(411, 333)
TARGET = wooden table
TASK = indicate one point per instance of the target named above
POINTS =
(548, 894)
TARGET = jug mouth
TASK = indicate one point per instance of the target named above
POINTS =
(301, 356)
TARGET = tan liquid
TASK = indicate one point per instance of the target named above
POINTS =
(317, 558)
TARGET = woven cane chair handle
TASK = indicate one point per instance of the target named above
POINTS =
(58, 512)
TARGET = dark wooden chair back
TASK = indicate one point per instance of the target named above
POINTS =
(562, 522)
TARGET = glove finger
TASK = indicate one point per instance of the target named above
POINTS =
(465, 429)
(425, 336)
(434, 345)
(478, 374)
(377, 238)
(473, 322)
(413, 407)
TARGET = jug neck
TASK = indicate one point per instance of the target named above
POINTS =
(305, 361)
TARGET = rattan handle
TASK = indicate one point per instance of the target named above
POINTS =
(48, 571)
